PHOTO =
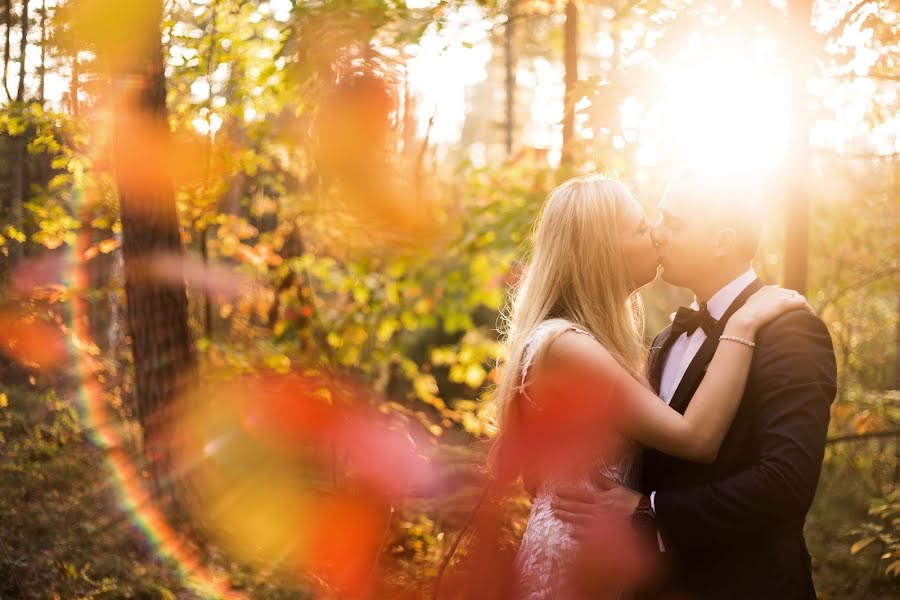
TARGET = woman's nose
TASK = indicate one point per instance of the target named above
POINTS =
(656, 236)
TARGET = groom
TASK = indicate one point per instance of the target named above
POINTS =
(731, 529)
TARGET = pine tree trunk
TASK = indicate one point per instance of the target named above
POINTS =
(796, 243)
(570, 60)
(7, 21)
(74, 85)
(204, 236)
(897, 346)
(23, 46)
(42, 70)
(156, 311)
(510, 67)
(20, 151)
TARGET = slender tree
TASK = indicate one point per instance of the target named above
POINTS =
(509, 35)
(796, 245)
(570, 60)
(7, 21)
(42, 70)
(23, 46)
(210, 135)
(20, 146)
(74, 84)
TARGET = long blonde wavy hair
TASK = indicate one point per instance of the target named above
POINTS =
(577, 272)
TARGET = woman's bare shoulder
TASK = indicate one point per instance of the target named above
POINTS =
(576, 347)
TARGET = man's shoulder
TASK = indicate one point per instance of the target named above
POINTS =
(793, 323)
(795, 346)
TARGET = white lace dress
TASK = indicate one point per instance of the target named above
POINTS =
(545, 559)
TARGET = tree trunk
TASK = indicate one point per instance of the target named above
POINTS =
(74, 85)
(156, 311)
(570, 59)
(45, 160)
(204, 235)
(207, 299)
(510, 67)
(23, 46)
(42, 71)
(796, 242)
(20, 151)
(409, 116)
(7, 21)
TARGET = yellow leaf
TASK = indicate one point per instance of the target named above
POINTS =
(278, 362)
(862, 544)
(334, 340)
(108, 245)
(893, 568)
(471, 423)
(280, 328)
(386, 329)
(475, 376)
(4, 401)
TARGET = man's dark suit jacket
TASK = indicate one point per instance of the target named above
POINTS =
(733, 529)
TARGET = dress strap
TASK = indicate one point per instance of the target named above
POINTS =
(536, 340)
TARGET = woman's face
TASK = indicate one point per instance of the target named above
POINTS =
(641, 258)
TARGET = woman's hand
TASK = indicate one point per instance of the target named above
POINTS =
(763, 306)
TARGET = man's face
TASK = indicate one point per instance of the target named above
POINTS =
(684, 242)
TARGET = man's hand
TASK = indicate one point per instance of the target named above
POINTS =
(611, 550)
(592, 511)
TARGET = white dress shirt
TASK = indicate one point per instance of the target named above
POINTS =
(684, 349)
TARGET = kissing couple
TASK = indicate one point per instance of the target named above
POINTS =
(686, 475)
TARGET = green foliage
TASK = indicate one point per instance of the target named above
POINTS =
(882, 527)
(337, 284)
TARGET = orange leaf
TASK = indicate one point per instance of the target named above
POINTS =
(30, 341)
(862, 544)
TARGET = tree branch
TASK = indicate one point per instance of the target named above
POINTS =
(838, 29)
(859, 283)
(857, 155)
(626, 9)
(863, 436)
(877, 76)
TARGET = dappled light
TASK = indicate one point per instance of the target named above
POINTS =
(257, 264)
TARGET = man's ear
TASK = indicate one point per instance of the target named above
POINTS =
(725, 242)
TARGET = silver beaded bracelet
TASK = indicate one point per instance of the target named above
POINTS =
(738, 340)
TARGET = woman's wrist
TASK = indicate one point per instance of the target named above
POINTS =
(739, 327)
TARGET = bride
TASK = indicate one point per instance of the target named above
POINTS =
(572, 401)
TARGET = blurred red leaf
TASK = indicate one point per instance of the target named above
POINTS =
(30, 341)
(345, 540)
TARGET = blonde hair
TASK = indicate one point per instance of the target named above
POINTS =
(576, 272)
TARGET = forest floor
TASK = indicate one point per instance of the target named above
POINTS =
(63, 533)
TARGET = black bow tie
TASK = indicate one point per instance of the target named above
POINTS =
(687, 320)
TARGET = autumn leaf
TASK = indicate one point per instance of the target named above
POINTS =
(862, 544)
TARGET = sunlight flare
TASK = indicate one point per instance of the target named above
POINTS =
(725, 103)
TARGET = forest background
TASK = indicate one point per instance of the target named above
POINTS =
(212, 208)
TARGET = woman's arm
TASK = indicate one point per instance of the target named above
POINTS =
(640, 414)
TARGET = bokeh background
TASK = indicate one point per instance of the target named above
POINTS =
(255, 253)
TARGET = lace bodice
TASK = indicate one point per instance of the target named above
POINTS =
(545, 557)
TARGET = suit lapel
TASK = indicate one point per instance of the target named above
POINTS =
(658, 353)
(688, 385)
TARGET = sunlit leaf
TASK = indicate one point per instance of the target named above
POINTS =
(862, 544)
